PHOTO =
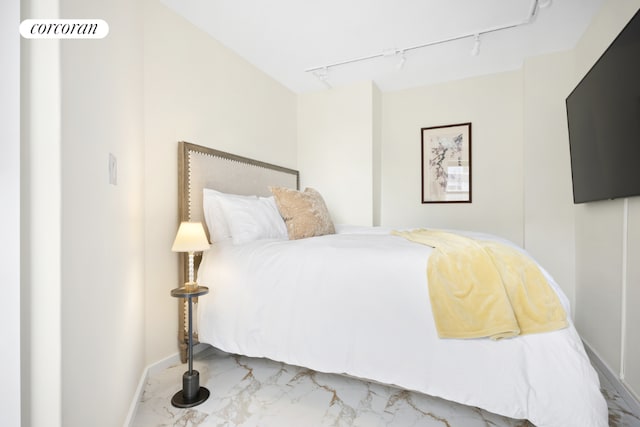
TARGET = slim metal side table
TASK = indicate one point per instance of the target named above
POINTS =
(191, 394)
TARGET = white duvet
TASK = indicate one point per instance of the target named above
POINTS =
(357, 303)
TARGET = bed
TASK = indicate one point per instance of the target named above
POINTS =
(355, 302)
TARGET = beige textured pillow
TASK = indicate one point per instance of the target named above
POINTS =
(304, 212)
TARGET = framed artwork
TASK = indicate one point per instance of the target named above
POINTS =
(446, 164)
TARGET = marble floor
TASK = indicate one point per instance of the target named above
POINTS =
(258, 392)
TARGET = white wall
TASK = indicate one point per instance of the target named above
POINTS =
(599, 277)
(10, 214)
(377, 156)
(632, 299)
(102, 224)
(41, 253)
(607, 239)
(494, 106)
(548, 198)
(335, 149)
(199, 91)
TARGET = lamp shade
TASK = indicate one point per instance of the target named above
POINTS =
(190, 238)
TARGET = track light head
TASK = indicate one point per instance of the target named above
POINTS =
(476, 45)
(322, 74)
(403, 59)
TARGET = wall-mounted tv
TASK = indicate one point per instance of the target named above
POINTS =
(603, 114)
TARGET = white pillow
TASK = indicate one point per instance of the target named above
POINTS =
(214, 215)
(253, 218)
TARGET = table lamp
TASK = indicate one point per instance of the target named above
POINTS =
(190, 238)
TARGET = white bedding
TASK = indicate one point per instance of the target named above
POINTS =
(357, 303)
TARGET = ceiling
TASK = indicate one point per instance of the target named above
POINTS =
(284, 38)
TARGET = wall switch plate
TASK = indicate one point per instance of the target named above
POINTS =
(113, 170)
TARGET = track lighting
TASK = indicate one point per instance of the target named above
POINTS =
(322, 72)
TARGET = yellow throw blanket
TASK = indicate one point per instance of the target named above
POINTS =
(485, 289)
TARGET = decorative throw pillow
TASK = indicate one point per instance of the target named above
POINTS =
(304, 212)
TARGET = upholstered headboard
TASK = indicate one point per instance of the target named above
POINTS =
(201, 167)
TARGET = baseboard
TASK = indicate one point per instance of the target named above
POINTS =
(133, 407)
(621, 388)
(153, 368)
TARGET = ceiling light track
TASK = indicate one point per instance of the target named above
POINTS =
(322, 71)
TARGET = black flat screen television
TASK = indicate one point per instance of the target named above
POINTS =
(603, 114)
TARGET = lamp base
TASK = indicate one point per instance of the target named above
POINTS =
(191, 394)
(179, 401)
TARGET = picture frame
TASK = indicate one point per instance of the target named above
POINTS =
(446, 163)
